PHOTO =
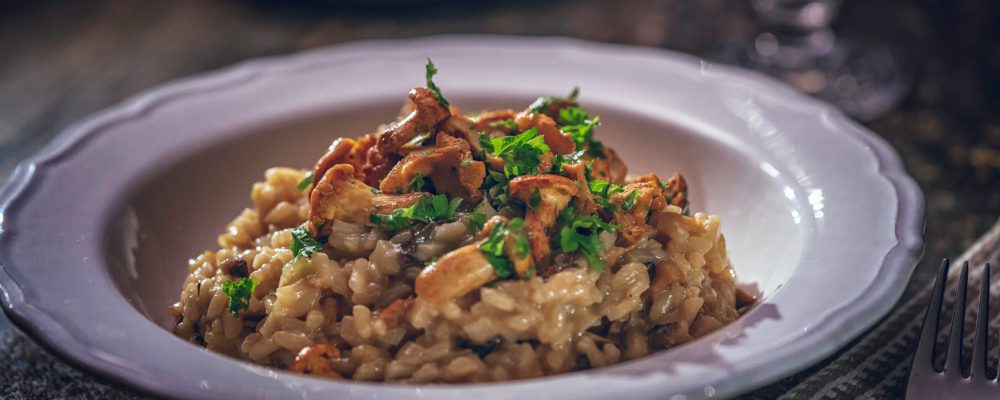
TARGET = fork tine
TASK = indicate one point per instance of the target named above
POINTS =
(953, 364)
(924, 358)
(980, 346)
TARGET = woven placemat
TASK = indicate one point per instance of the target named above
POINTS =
(875, 367)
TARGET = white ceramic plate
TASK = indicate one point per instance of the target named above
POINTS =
(97, 228)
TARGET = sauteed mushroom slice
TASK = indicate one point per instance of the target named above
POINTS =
(544, 197)
(455, 274)
(559, 142)
(448, 164)
(634, 205)
(584, 201)
(317, 360)
(420, 123)
(339, 195)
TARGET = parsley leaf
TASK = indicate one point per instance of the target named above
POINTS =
(476, 221)
(562, 160)
(427, 209)
(542, 104)
(603, 191)
(497, 190)
(520, 153)
(431, 71)
(239, 294)
(417, 183)
(507, 125)
(580, 233)
(577, 123)
(629, 202)
(536, 199)
(493, 247)
(303, 244)
(306, 182)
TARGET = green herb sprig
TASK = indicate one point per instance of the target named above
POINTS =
(581, 233)
(542, 104)
(427, 209)
(603, 191)
(577, 122)
(306, 182)
(520, 153)
(303, 244)
(239, 294)
(494, 251)
(431, 70)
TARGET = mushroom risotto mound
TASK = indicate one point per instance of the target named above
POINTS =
(451, 247)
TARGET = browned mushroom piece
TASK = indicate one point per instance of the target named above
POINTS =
(634, 205)
(554, 105)
(559, 142)
(544, 197)
(377, 166)
(617, 170)
(448, 164)
(394, 314)
(495, 120)
(584, 201)
(317, 360)
(492, 123)
(344, 151)
(455, 274)
(420, 123)
(340, 195)
(677, 190)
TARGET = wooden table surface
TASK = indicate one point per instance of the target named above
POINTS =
(60, 62)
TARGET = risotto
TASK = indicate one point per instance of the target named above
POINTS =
(451, 247)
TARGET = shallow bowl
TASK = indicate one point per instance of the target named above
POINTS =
(819, 215)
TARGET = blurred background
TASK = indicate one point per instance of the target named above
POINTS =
(923, 74)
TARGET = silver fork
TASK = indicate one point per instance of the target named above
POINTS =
(927, 383)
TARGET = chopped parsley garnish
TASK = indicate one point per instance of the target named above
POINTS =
(577, 123)
(303, 244)
(562, 160)
(494, 250)
(427, 209)
(306, 182)
(507, 125)
(417, 183)
(497, 189)
(603, 191)
(476, 221)
(239, 294)
(629, 202)
(542, 104)
(536, 199)
(580, 232)
(520, 153)
(431, 71)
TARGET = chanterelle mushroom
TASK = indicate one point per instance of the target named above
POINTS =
(559, 143)
(584, 201)
(676, 190)
(493, 123)
(421, 122)
(344, 151)
(448, 164)
(634, 204)
(544, 197)
(339, 195)
(454, 275)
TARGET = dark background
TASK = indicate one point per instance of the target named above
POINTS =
(60, 61)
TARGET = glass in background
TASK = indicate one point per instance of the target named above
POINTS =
(796, 45)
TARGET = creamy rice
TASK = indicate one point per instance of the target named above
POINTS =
(354, 309)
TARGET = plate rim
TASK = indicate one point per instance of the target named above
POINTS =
(904, 253)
